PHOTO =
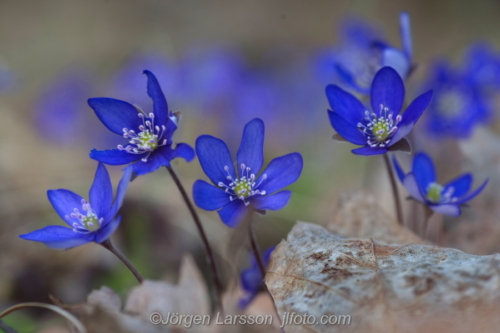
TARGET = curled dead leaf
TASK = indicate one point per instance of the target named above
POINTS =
(383, 288)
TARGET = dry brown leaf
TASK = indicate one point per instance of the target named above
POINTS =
(359, 215)
(102, 314)
(188, 297)
(384, 288)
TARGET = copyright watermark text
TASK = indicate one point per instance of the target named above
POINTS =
(288, 318)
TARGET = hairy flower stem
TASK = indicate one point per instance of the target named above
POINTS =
(260, 262)
(108, 245)
(208, 249)
(395, 192)
(428, 215)
(256, 250)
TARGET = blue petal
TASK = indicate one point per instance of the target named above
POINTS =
(447, 209)
(182, 150)
(59, 237)
(461, 185)
(399, 170)
(397, 60)
(115, 114)
(246, 299)
(350, 80)
(405, 31)
(251, 148)
(251, 279)
(367, 151)
(153, 162)
(387, 90)
(471, 196)
(424, 171)
(267, 255)
(101, 192)
(121, 190)
(346, 130)
(281, 172)
(209, 197)
(233, 213)
(106, 231)
(214, 157)
(115, 156)
(271, 202)
(64, 202)
(345, 105)
(411, 185)
(411, 116)
(160, 105)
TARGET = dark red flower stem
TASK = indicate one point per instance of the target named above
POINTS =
(208, 249)
(256, 250)
(395, 192)
(108, 245)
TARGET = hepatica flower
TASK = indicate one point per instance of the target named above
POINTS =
(363, 53)
(422, 186)
(251, 279)
(235, 190)
(149, 135)
(89, 221)
(383, 128)
(462, 100)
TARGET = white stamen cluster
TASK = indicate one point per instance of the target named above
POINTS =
(379, 129)
(148, 138)
(87, 221)
(244, 187)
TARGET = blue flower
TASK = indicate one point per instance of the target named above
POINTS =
(459, 103)
(384, 128)
(149, 134)
(233, 192)
(128, 81)
(94, 223)
(251, 279)
(422, 186)
(59, 111)
(363, 53)
(482, 65)
(464, 97)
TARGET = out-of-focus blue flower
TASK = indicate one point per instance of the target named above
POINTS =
(97, 220)
(210, 77)
(129, 83)
(463, 97)
(459, 104)
(380, 130)
(252, 279)
(422, 186)
(149, 134)
(362, 53)
(482, 65)
(59, 112)
(233, 191)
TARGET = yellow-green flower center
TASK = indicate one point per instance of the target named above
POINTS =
(147, 140)
(90, 222)
(243, 188)
(381, 129)
(434, 192)
(85, 221)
